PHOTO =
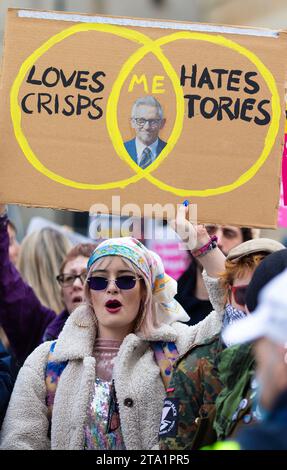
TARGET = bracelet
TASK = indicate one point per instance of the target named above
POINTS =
(206, 248)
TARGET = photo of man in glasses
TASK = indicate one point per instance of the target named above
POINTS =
(147, 119)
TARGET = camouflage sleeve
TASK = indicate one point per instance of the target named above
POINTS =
(185, 394)
(193, 388)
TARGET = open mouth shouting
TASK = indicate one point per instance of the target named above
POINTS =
(113, 306)
(77, 299)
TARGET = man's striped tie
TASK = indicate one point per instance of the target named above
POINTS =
(146, 159)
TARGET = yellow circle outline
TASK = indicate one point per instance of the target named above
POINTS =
(112, 106)
(270, 138)
(112, 123)
(16, 110)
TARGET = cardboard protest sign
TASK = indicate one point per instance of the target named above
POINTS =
(153, 112)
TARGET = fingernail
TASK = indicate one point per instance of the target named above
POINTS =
(186, 203)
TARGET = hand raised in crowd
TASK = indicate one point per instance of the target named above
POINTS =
(196, 237)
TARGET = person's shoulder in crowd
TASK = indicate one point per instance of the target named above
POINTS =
(267, 434)
(55, 327)
(235, 401)
(264, 436)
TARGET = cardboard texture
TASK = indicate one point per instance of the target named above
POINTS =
(66, 101)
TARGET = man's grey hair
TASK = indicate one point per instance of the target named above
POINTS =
(147, 101)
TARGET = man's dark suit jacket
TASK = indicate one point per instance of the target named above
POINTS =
(130, 146)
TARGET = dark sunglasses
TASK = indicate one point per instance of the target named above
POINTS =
(239, 294)
(123, 282)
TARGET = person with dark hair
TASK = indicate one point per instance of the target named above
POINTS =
(229, 236)
(24, 319)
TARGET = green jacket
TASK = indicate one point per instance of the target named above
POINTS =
(234, 403)
(191, 397)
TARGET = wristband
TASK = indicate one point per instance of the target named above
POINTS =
(206, 248)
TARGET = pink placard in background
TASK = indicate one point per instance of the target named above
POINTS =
(282, 212)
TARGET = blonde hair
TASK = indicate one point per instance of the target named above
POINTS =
(41, 256)
(145, 322)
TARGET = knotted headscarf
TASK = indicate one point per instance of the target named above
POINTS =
(165, 308)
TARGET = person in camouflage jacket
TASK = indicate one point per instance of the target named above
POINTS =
(191, 395)
(215, 390)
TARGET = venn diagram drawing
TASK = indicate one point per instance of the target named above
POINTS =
(146, 46)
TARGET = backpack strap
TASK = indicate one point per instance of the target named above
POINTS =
(165, 354)
(52, 375)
